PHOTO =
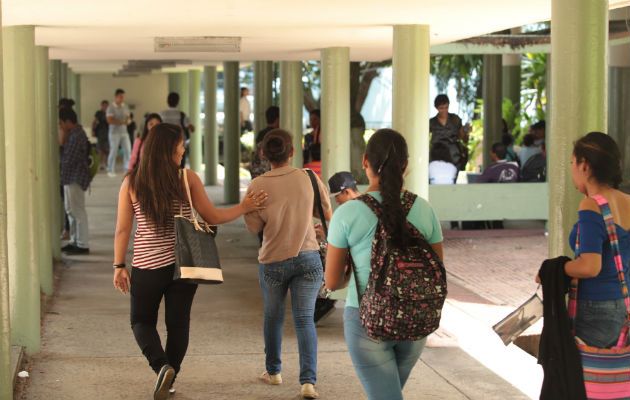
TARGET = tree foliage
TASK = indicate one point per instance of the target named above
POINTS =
(465, 72)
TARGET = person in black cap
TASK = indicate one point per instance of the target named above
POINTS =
(343, 187)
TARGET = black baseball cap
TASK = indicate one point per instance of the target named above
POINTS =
(340, 182)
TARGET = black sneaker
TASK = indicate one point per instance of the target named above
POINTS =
(75, 250)
(323, 308)
(69, 247)
(163, 383)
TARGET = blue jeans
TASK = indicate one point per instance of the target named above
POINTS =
(118, 140)
(598, 323)
(302, 275)
(383, 367)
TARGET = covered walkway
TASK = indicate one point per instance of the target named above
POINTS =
(88, 350)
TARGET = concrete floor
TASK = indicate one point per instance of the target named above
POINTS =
(89, 352)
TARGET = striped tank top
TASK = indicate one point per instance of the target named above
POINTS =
(155, 248)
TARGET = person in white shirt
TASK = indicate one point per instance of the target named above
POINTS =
(442, 171)
(245, 110)
(118, 118)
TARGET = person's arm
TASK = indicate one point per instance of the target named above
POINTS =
(253, 220)
(335, 267)
(124, 225)
(62, 137)
(586, 265)
(325, 198)
(94, 124)
(439, 249)
(214, 215)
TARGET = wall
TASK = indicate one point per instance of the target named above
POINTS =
(144, 93)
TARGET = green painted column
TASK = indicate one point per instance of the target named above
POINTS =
(211, 151)
(43, 165)
(71, 82)
(231, 133)
(263, 92)
(56, 208)
(178, 82)
(194, 78)
(173, 85)
(291, 105)
(77, 97)
(63, 82)
(579, 42)
(410, 103)
(511, 79)
(619, 95)
(492, 104)
(6, 377)
(335, 110)
(22, 227)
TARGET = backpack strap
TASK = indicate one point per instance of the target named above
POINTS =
(614, 244)
(317, 199)
(408, 199)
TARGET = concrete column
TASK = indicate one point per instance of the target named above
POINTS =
(231, 132)
(263, 79)
(619, 96)
(63, 82)
(511, 79)
(410, 103)
(194, 78)
(173, 82)
(22, 228)
(77, 97)
(335, 109)
(178, 82)
(56, 208)
(579, 45)
(43, 165)
(492, 104)
(6, 378)
(211, 153)
(71, 83)
(291, 105)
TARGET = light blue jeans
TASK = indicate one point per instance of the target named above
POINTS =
(116, 140)
(302, 275)
(598, 323)
(383, 367)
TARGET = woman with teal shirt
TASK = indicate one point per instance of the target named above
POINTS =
(382, 366)
(596, 170)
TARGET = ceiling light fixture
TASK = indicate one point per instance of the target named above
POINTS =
(205, 44)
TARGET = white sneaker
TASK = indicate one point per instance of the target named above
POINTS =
(308, 391)
(111, 174)
(271, 379)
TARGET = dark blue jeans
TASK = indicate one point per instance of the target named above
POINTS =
(598, 323)
(302, 275)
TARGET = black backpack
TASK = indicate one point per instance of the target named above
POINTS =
(406, 289)
(535, 169)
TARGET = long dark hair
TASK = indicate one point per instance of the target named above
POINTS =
(149, 117)
(387, 155)
(155, 180)
(602, 154)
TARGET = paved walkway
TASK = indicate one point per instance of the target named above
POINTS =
(89, 352)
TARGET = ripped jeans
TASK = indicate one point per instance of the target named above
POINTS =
(302, 275)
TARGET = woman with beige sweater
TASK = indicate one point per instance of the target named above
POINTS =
(289, 258)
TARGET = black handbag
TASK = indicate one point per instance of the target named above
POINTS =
(196, 254)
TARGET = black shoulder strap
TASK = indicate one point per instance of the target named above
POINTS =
(408, 201)
(371, 202)
(318, 199)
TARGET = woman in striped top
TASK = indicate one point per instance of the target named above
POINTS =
(153, 193)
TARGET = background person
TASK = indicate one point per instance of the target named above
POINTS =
(245, 110)
(172, 115)
(117, 118)
(442, 171)
(100, 130)
(150, 121)
(75, 178)
(382, 366)
(153, 194)
(259, 165)
(447, 128)
(289, 258)
(313, 140)
(501, 170)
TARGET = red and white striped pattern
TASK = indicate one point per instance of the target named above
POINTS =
(154, 248)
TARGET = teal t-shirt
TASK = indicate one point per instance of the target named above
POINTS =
(353, 226)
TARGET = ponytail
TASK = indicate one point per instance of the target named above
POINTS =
(387, 154)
